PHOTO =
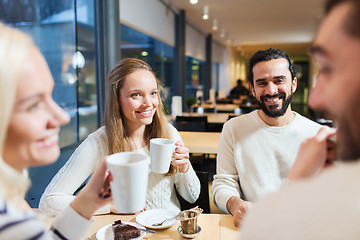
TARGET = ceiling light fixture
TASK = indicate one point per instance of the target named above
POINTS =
(194, 1)
(215, 24)
(206, 12)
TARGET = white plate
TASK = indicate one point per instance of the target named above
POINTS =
(106, 232)
(149, 217)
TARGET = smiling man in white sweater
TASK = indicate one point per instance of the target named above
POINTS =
(257, 150)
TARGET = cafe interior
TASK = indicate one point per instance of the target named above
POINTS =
(198, 49)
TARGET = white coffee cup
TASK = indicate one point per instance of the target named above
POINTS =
(161, 151)
(130, 171)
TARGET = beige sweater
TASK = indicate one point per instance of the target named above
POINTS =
(325, 207)
(253, 157)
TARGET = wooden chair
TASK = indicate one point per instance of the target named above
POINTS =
(204, 199)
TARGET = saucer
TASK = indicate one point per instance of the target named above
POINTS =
(185, 235)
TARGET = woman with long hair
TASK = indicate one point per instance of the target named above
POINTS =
(133, 115)
(30, 121)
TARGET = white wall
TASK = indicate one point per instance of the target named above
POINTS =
(150, 17)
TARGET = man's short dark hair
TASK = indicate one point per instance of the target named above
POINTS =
(352, 21)
(266, 55)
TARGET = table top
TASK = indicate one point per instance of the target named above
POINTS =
(213, 226)
(219, 106)
(211, 117)
(201, 142)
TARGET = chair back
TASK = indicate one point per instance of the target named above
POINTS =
(232, 116)
(206, 110)
(204, 199)
(191, 123)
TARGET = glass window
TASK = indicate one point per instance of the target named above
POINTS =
(157, 54)
(53, 25)
(195, 71)
(299, 101)
(85, 64)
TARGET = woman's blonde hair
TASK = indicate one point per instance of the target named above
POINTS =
(118, 137)
(15, 49)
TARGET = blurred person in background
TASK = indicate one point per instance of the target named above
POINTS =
(239, 90)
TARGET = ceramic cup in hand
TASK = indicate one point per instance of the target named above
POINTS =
(130, 173)
(161, 151)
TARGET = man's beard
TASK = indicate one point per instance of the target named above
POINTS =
(348, 137)
(272, 111)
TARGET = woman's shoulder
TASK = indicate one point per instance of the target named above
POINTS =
(174, 133)
(171, 128)
(99, 132)
(99, 135)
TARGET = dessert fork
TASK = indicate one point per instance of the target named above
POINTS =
(161, 223)
(177, 217)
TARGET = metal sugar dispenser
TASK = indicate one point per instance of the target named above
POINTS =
(188, 219)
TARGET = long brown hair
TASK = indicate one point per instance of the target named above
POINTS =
(118, 137)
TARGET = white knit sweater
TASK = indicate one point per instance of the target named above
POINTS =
(254, 157)
(86, 158)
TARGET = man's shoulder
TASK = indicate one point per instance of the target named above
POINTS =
(304, 118)
(304, 121)
(243, 118)
(303, 206)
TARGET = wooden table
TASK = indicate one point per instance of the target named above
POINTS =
(201, 142)
(213, 226)
(220, 107)
(211, 117)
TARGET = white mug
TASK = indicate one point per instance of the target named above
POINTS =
(130, 171)
(161, 151)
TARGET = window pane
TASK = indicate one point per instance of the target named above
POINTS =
(52, 24)
(86, 68)
(157, 54)
(194, 78)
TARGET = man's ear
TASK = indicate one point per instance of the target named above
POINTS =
(294, 84)
(252, 89)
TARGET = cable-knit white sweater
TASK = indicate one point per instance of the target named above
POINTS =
(86, 158)
(253, 157)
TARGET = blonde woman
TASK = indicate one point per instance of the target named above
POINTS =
(133, 115)
(29, 127)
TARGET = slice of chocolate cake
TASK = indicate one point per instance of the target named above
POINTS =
(124, 231)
